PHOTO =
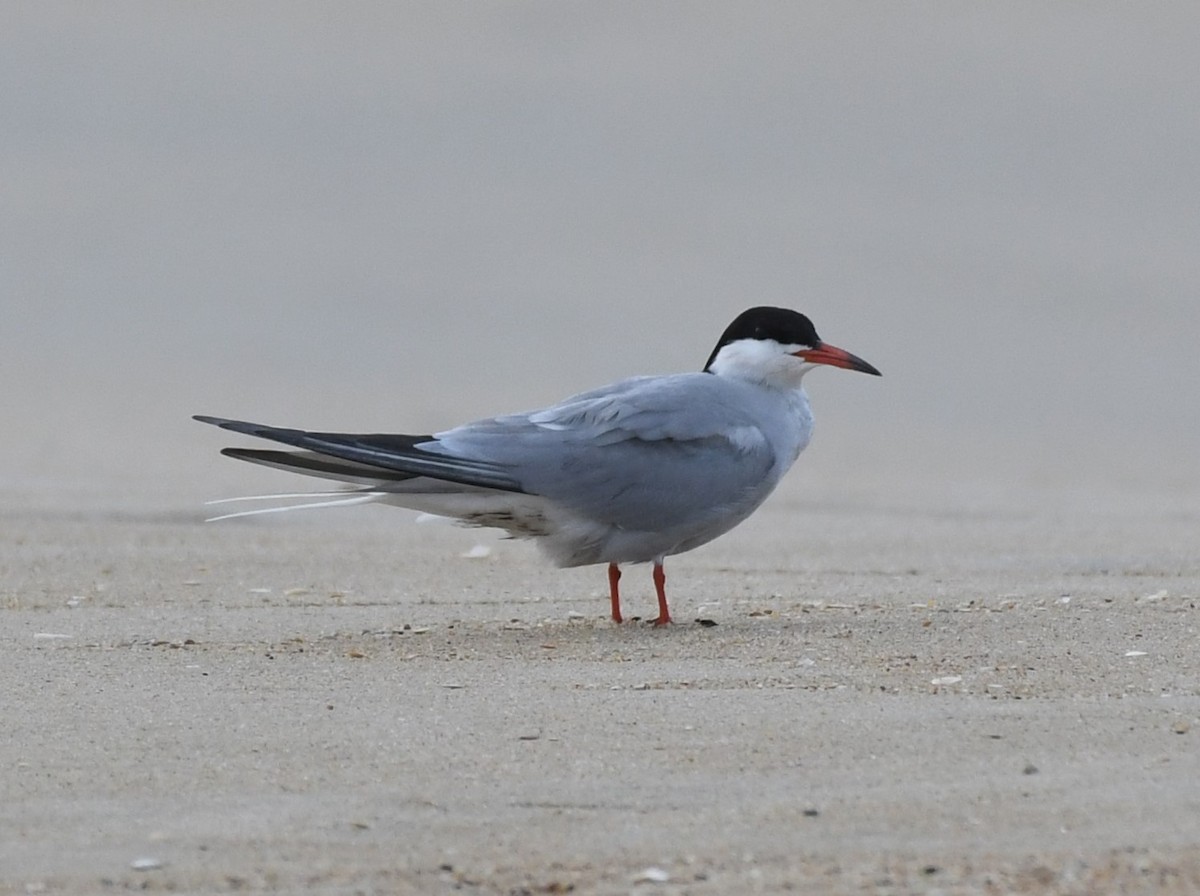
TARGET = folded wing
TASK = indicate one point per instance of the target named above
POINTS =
(394, 458)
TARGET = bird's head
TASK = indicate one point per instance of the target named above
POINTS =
(776, 346)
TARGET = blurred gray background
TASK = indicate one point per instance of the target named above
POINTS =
(400, 216)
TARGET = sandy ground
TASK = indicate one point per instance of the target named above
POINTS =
(993, 701)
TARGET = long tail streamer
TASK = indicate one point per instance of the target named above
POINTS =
(339, 500)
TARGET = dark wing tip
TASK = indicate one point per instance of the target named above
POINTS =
(223, 422)
(259, 430)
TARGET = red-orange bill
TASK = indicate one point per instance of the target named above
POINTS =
(836, 357)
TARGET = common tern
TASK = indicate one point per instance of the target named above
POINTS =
(633, 472)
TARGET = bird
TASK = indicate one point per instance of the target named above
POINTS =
(632, 472)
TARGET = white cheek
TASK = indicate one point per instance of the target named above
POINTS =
(787, 369)
(761, 361)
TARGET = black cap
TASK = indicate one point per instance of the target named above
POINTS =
(783, 325)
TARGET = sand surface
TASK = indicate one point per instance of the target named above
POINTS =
(995, 702)
(957, 652)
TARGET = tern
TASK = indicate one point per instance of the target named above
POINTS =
(633, 472)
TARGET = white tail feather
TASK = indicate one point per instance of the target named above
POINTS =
(339, 493)
(357, 498)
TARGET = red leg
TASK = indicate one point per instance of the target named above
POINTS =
(614, 576)
(660, 586)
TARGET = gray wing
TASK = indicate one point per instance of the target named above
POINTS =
(644, 453)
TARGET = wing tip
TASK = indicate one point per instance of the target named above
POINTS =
(246, 428)
(223, 422)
